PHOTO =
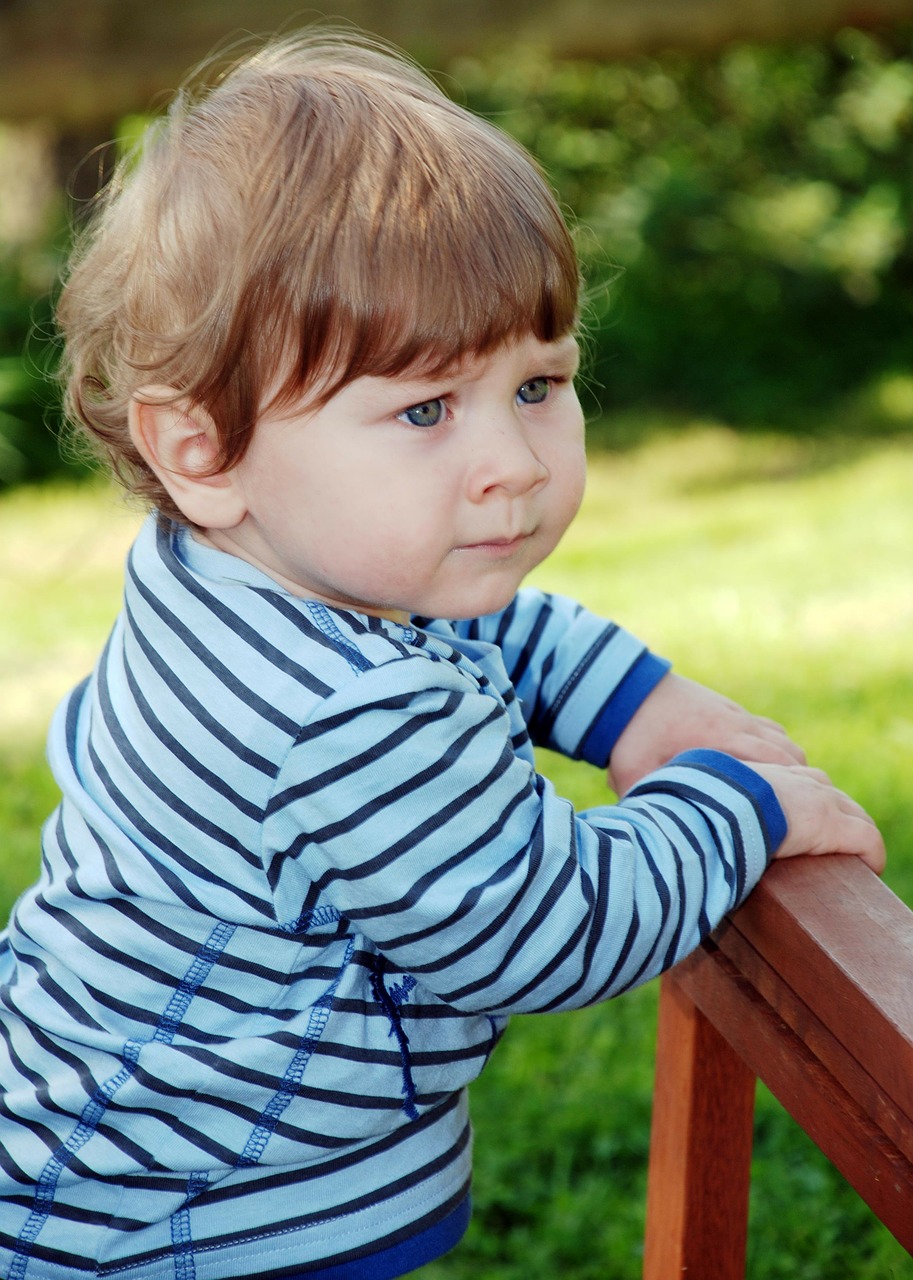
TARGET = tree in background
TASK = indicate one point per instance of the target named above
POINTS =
(30, 220)
(745, 220)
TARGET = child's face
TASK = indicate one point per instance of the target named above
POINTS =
(416, 495)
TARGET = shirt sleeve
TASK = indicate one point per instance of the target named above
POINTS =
(580, 678)
(405, 810)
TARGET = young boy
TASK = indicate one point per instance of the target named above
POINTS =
(304, 869)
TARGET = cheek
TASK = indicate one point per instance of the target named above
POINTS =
(569, 478)
(370, 530)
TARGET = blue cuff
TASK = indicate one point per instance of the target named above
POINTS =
(770, 812)
(615, 716)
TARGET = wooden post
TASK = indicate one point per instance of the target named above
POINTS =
(808, 987)
(700, 1149)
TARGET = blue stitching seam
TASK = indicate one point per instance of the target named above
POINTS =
(95, 1108)
(181, 1237)
(313, 919)
(324, 619)
(272, 1113)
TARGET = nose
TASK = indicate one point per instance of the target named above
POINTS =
(506, 460)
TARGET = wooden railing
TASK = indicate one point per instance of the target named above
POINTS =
(808, 987)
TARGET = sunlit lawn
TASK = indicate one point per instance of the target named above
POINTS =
(781, 573)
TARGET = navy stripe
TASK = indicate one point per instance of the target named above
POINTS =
(547, 719)
(200, 713)
(272, 1112)
(233, 683)
(404, 730)
(158, 840)
(258, 642)
(525, 655)
(190, 761)
(151, 780)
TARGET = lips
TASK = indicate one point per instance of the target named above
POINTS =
(502, 546)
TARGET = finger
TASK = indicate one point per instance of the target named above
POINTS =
(793, 750)
(778, 736)
(773, 724)
(771, 751)
(815, 774)
(851, 830)
(864, 840)
(776, 743)
(854, 808)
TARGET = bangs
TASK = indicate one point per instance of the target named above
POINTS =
(438, 308)
(434, 312)
(444, 247)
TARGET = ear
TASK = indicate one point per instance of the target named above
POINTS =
(179, 441)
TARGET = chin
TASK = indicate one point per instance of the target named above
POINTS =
(482, 605)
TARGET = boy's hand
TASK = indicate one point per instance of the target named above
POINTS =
(821, 819)
(680, 714)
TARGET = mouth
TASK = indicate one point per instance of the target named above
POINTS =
(497, 546)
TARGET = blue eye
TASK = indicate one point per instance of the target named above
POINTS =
(429, 414)
(534, 391)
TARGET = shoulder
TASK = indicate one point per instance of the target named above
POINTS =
(207, 609)
(387, 661)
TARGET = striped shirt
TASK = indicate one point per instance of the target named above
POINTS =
(302, 872)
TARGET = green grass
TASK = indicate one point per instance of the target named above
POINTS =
(61, 572)
(776, 570)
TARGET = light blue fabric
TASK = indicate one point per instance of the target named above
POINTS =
(303, 871)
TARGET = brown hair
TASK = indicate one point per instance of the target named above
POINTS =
(321, 213)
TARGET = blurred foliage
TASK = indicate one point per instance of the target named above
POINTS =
(744, 220)
(30, 216)
(29, 449)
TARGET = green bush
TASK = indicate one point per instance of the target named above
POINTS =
(743, 218)
(29, 414)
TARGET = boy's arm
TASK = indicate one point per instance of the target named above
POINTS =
(593, 691)
(408, 811)
(580, 678)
